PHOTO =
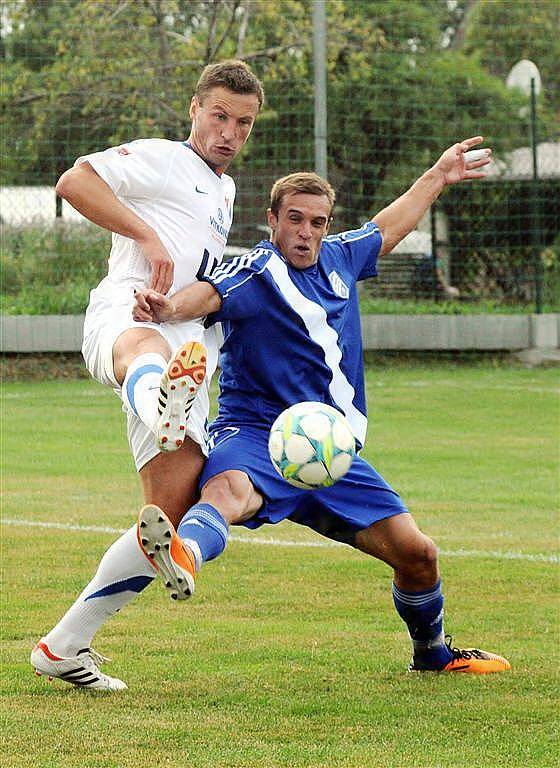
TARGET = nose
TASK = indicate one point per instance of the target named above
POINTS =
(305, 230)
(227, 131)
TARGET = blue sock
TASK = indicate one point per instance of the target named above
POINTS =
(422, 612)
(204, 531)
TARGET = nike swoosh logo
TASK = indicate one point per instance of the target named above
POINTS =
(200, 191)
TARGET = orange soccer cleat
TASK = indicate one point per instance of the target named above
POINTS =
(471, 660)
(166, 552)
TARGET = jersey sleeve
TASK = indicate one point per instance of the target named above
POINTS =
(238, 284)
(361, 246)
(138, 170)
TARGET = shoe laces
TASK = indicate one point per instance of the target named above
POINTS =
(459, 653)
(96, 658)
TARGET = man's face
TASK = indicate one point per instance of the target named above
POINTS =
(221, 125)
(302, 222)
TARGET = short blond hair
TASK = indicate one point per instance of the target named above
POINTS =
(232, 74)
(304, 182)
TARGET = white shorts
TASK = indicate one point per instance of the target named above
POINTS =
(108, 315)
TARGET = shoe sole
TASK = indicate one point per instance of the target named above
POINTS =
(157, 537)
(179, 384)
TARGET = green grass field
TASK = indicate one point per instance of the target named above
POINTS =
(292, 655)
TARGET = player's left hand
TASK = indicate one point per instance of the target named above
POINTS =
(456, 167)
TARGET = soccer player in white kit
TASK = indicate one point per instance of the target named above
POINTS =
(169, 205)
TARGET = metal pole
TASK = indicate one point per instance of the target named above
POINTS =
(434, 264)
(535, 204)
(320, 77)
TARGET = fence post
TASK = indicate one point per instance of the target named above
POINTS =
(434, 254)
(320, 77)
(535, 203)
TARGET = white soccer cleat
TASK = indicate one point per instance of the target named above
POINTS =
(165, 550)
(180, 381)
(81, 670)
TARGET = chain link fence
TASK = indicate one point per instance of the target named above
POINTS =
(404, 81)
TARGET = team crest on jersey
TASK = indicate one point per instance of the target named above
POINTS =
(228, 206)
(338, 285)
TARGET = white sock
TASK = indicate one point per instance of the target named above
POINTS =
(124, 571)
(140, 389)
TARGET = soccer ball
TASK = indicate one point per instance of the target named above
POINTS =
(311, 445)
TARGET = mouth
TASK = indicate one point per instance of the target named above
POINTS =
(303, 250)
(223, 150)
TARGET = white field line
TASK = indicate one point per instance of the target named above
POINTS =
(475, 553)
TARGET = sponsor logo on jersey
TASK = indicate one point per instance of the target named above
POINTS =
(338, 285)
(220, 225)
(200, 191)
(218, 230)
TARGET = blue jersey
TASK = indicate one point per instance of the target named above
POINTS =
(294, 334)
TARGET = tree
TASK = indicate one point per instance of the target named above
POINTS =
(403, 81)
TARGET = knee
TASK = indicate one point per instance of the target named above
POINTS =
(135, 342)
(418, 562)
(232, 494)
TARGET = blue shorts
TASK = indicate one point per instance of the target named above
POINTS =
(357, 500)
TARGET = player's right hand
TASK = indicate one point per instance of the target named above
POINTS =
(161, 263)
(151, 307)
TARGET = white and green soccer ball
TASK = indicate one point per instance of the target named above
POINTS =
(311, 445)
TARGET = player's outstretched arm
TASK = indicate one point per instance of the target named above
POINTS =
(458, 163)
(86, 191)
(195, 300)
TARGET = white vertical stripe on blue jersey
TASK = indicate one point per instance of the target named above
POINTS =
(315, 320)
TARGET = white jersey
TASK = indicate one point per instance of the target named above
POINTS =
(176, 193)
(190, 207)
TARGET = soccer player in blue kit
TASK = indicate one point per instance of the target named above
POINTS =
(291, 325)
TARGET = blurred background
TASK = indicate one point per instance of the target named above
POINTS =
(402, 81)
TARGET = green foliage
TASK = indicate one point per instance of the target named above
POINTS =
(483, 306)
(404, 81)
(502, 33)
(50, 270)
(502, 235)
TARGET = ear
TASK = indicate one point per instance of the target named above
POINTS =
(272, 219)
(193, 107)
